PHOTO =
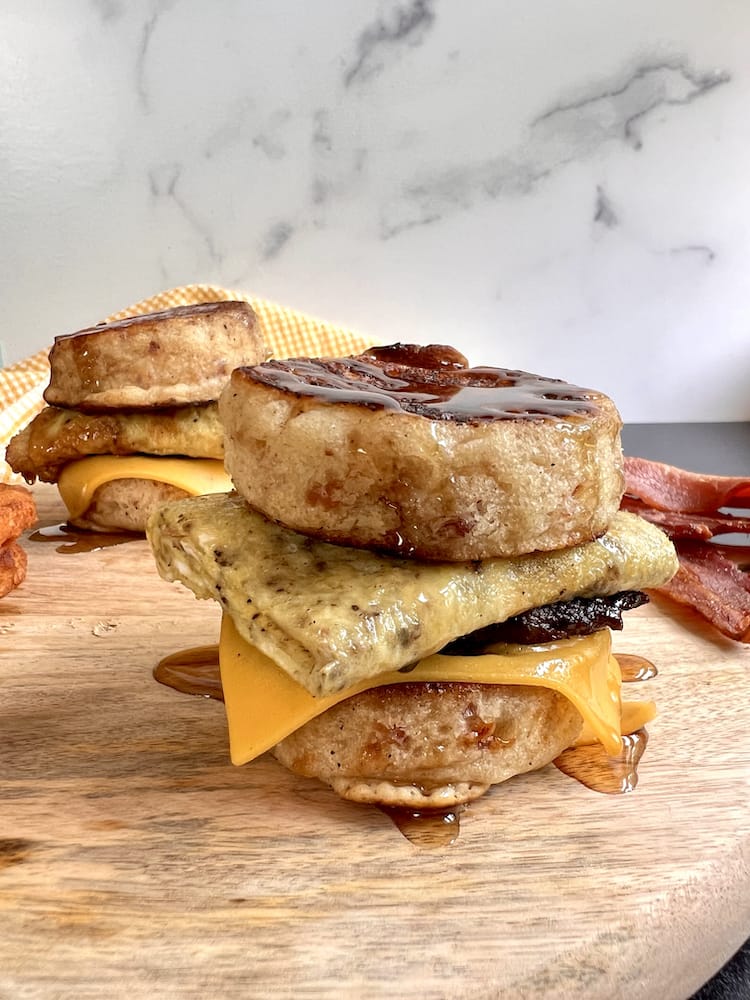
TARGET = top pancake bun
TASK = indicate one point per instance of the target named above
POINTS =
(170, 358)
(407, 450)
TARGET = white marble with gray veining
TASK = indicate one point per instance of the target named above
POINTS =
(560, 186)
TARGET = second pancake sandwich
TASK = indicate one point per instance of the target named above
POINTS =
(132, 416)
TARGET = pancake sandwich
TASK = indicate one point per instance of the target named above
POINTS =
(418, 571)
(132, 415)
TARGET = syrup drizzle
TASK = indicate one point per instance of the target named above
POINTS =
(432, 381)
(592, 766)
(76, 541)
(635, 668)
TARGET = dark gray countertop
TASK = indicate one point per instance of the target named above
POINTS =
(720, 449)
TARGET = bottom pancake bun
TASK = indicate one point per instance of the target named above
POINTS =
(119, 493)
(125, 505)
(431, 745)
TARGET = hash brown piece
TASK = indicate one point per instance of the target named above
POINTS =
(17, 513)
(12, 567)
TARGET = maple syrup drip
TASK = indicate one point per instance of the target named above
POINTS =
(596, 770)
(75, 541)
(192, 671)
(427, 828)
(635, 668)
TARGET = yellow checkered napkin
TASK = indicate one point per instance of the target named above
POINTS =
(287, 333)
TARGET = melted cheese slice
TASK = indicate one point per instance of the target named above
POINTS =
(634, 715)
(79, 481)
(264, 704)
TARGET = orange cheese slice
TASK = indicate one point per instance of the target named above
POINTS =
(634, 716)
(79, 480)
(264, 704)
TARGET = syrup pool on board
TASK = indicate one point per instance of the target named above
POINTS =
(75, 540)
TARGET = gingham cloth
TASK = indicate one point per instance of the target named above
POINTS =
(287, 333)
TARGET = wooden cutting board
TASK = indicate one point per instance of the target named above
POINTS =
(135, 861)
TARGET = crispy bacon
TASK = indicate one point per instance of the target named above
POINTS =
(666, 487)
(715, 587)
(686, 506)
(681, 525)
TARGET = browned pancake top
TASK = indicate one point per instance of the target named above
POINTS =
(433, 382)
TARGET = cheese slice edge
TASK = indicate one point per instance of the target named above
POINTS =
(79, 480)
(264, 704)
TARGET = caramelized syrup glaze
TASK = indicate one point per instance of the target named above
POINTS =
(193, 309)
(436, 356)
(432, 381)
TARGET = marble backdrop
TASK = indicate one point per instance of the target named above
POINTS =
(556, 185)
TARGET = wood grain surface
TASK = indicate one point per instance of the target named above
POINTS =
(135, 861)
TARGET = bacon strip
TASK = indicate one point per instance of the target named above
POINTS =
(679, 525)
(715, 587)
(666, 487)
(686, 506)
